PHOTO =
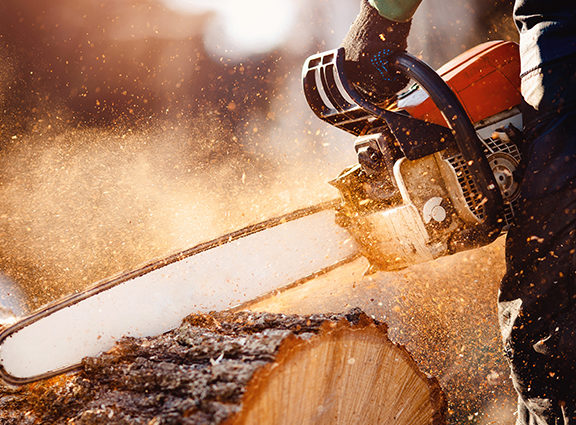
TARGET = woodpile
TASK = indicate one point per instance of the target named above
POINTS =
(239, 369)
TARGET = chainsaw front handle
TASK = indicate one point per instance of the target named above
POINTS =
(468, 143)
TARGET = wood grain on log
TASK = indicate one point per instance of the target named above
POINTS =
(241, 369)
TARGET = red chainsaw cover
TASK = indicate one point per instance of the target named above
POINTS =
(485, 78)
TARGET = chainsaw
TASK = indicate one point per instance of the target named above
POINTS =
(437, 173)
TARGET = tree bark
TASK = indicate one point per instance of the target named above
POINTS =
(239, 369)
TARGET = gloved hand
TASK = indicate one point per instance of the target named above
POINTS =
(370, 43)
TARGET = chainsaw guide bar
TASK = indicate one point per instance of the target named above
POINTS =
(223, 273)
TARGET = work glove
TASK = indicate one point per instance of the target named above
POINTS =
(369, 46)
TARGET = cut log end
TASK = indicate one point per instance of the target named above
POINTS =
(346, 374)
(243, 369)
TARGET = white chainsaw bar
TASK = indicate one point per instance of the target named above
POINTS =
(217, 275)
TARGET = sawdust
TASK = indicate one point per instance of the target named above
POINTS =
(444, 312)
(82, 204)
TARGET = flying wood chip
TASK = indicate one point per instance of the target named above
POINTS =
(239, 369)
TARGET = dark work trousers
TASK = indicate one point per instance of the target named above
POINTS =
(537, 300)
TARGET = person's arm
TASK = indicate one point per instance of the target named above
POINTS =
(396, 10)
(379, 31)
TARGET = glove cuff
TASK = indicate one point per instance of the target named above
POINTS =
(371, 32)
(395, 10)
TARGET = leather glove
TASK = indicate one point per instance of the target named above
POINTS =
(369, 45)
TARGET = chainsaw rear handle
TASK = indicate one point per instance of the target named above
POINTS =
(335, 100)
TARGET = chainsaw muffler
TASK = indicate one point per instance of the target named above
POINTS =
(429, 181)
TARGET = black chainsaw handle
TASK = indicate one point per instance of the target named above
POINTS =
(468, 143)
(466, 139)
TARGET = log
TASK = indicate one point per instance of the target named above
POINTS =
(241, 368)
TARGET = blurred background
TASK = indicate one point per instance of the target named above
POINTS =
(134, 128)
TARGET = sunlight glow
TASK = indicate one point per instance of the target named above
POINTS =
(245, 27)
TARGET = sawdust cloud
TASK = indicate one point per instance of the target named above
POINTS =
(83, 204)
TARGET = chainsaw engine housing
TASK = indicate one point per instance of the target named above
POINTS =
(413, 196)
